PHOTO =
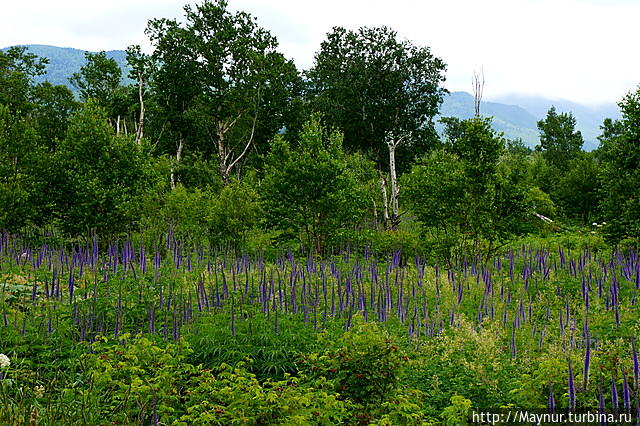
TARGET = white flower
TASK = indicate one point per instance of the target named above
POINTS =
(593, 232)
(595, 224)
(4, 361)
(38, 391)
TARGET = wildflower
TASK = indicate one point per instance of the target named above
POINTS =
(594, 224)
(38, 391)
(4, 361)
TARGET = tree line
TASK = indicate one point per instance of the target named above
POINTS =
(221, 137)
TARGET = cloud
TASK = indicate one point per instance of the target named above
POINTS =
(582, 50)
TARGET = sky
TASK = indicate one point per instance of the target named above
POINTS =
(580, 50)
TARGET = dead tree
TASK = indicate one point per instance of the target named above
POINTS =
(391, 220)
(478, 87)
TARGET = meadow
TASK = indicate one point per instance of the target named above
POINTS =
(163, 332)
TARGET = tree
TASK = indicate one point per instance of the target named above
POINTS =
(435, 190)
(17, 69)
(142, 69)
(53, 106)
(464, 192)
(21, 153)
(221, 79)
(99, 176)
(382, 93)
(619, 153)
(314, 189)
(98, 79)
(579, 191)
(559, 141)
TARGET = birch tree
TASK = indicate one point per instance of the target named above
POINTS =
(221, 80)
(383, 94)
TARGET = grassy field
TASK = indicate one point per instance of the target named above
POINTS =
(173, 334)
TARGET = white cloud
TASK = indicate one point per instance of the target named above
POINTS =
(582, 50)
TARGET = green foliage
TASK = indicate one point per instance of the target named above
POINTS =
(312, 188)
(540, 202)
(371, 85)
(182, 210)
(232, 395)
(464, 194)
(100, 175)
(221, 81)
(272, 355)
(98, 79)
(559, 141)
(20, 163)
(53, 106)
(479, 147)
(435, 190)
(17, 69)
(620, 156)
(458, 412)
(579, 190)
(363, 364)
(235, 212)
(464, 361)
(198, 215)
(137, 381)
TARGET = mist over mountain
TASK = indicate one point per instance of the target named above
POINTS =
(515, 114)
(588, 118)
(514, 121)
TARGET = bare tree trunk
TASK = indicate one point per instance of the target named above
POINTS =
(118, 126)
(385, 201)
(222, 154)
(178, 156)
(478, 88)
(395, 216)
(140, 129)
(375, 214)
(395, 188)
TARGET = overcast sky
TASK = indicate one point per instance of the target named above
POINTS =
(582, 50)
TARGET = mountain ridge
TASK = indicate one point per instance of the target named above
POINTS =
(515, 115)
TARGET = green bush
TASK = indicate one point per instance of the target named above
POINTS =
(231, 395)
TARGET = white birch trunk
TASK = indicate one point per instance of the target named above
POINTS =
(178, 156)
(140, 129)
(385, 201)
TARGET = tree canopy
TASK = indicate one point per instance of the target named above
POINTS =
(374, 87)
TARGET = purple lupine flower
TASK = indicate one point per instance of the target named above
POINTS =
(71, 285)
(116, 331)
(587, 362)
(572, 389)
(626, 397)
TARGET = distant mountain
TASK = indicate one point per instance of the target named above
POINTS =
(64, 61)
(516, 115)
(513, 120)
(588, 118)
